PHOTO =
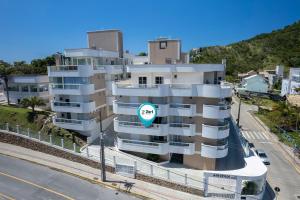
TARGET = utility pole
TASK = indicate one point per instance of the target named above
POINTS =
(239, 112)
(102, 158)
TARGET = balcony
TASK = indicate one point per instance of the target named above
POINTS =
(162, 90)
(70, 71)
(109, 69)
(182, 148)
(128, 89)
(138, 128)
(73, 107)
(143, 146)
(131, 108)
(72, 89)
(187, 110)
(182, 129)
(74, 124)
(216, 111)
(215, 132)
(210, 151)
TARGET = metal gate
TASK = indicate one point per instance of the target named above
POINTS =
(220, 186)
(125, 170)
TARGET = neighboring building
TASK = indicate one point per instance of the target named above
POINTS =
(293, 81)
(254, 83)
(109, 40)
(166, 51)
(136, 60)
(81, 86)
(22, 86)
(279, 70)
(192, 108)
(245, 75)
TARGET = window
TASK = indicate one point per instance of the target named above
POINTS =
(159, 80)
(24, 88)
(163, 45)
(143, 80)
(33, 88)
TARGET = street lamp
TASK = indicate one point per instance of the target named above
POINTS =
(102, 157)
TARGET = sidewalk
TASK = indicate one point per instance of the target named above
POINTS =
(139, 188)
(142, 164)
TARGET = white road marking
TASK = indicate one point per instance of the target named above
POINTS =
(266, 136)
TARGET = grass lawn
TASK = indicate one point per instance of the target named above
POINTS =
(25, 119)
(22, 116)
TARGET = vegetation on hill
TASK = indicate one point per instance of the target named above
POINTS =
(36, 66)
(282, 118)
(40, 121)
(264, 51)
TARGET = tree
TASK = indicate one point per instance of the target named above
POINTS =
(32, 102)
(142, 54)
(5, 71)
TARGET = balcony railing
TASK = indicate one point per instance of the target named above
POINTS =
(63, 68)
(205, 90)
(211, 151)
(181, 144)
(65, 86)
(66, 104)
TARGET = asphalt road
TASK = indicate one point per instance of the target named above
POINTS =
(281, 172)
(24, 180)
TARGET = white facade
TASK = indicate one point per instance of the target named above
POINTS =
(81, 88)
(22, 86)
(191, 111)
(289, 85)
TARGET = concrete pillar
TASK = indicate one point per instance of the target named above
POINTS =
(28, 132)
(18, 129)
(185, 179)
(62, 143)
(135, 166)
(151, 170)
(238, 188)
(39, 133)
(205, 182)
(74, 147)
(50, 139)
(7, 126)
(114, 160)
(168, 174)
(87, 151)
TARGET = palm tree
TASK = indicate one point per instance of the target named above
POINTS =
(32, 102)
(5, 71)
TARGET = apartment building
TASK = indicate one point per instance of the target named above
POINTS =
(166, 51)
(81, 83)
(192, 105)
(291, 83)
(22, 86)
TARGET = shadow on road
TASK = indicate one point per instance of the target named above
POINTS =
(269, 193)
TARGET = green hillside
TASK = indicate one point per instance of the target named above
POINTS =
(264, 51)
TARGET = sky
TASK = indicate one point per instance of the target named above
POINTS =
(37, 28)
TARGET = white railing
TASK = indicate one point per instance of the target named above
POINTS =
(211, 151)
(147, 168)
(205, 90)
